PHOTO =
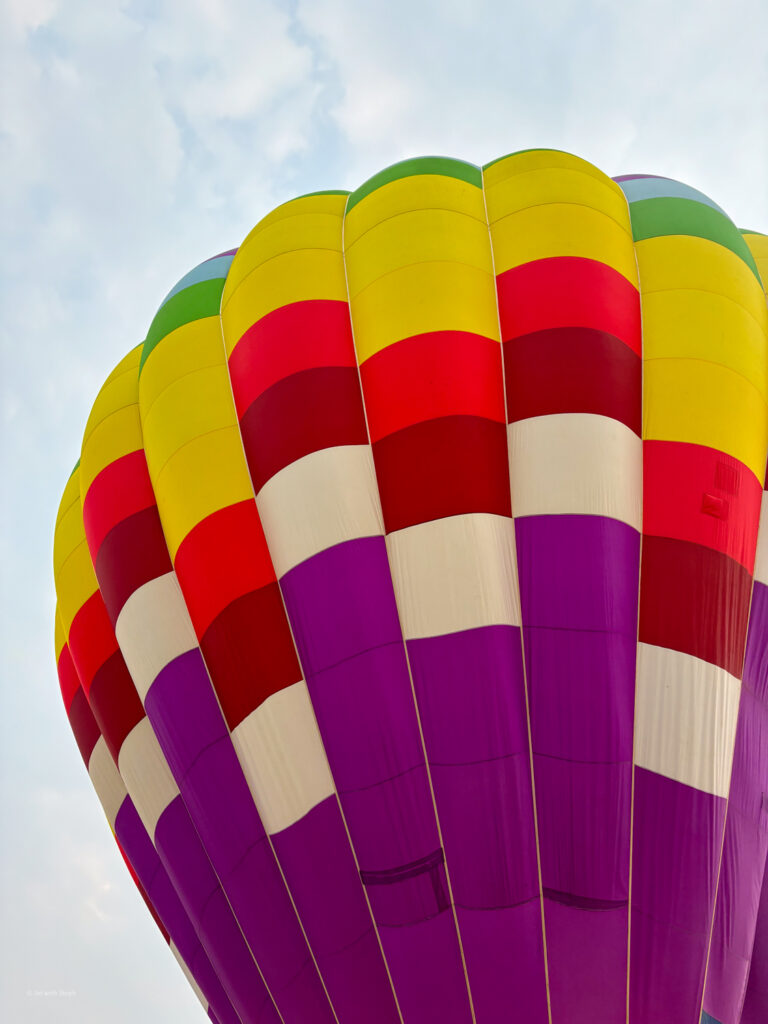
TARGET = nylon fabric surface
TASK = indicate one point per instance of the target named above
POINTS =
(413, 605)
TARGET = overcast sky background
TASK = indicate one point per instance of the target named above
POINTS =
(141, 137)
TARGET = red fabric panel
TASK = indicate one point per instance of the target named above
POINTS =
(69, 681)
(250, 653)
(440, 468)
(83, 725)
(568, 291)
(133, 552)
(695, 600)
(115, 703)
(222, 558)
(121, 488)
(430, 376)
(304, 413)
(573, 369)
(297, 337)
(91, 639)
(698, 494)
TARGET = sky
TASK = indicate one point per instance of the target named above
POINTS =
(138, 138)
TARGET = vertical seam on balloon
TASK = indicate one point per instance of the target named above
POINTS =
(317, 726)
(637, 630)
(730, 780)
(149, 837)
(405, 645)
(733, 752)
(516, 584)
(192, 821)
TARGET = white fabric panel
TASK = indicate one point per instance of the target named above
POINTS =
(454, 574)
(195, 987)
(106, 780)
(153, 628)
(283, 757)
(576, 463)
(685, 718)
(319, 501)
(761, 557)
(146, 774)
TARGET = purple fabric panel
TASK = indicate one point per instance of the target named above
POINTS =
(746, 833)
(578, 591)
(317, 858)
(186, 861)
(594, 945)
(675, 856)
(756, 659)
(145, 862)
(471, 698)
(422, 960)
(344, 617)
(756, 1000)
(511, 945)
(195, 740)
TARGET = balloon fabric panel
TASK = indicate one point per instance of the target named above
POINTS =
(405, 589)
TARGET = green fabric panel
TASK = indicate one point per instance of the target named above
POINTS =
(652, 218)
(194, 303)
(751, 231)
(420, 165)
(74, 469)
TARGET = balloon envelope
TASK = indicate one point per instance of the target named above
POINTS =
(413, 605)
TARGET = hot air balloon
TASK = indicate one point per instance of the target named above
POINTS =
(413, 605)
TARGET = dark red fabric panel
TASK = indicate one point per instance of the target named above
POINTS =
(250, 653)
(430, 376)
(573, 369)
(702, 495)
(83, 725)
(695, 600)
(132, 553)
(296, 337)
(568, 291)
(115, 703)
(91, 639)
(309, 411)
(121, 488)
(222, 558)
(440, 468)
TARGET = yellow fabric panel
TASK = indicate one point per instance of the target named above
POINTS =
(423, 298)
(69, 533)
(323, 203)
(704, 403)
(703, 325)
(204, 476)
(558, 229)
(294, 277)
(537, 160)
(758, 246)
(195, 404)
(114, 437)
(193, 345)
(75, 583)
(415, 192)
(683, 261)
(301, 231)
(549, 185)
(119, 389)
(422, 236)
